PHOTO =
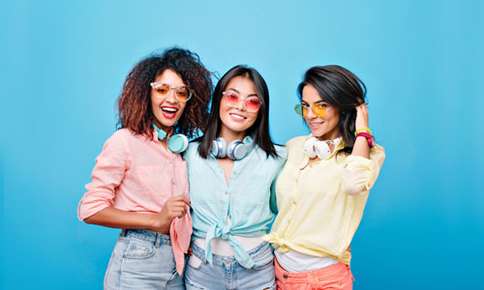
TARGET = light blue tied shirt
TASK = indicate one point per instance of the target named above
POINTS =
(239, 207)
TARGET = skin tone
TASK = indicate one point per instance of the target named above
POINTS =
(326, 128)
(167, 110)
(235, 120)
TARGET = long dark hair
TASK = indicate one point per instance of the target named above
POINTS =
(260, 129)
(134, 104)
(341, 89)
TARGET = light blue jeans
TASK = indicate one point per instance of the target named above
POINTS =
(142, 260)
(226, 273)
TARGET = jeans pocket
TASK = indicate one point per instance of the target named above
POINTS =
(195, 274)
(139, 249)
(145, 266)
(113, 271)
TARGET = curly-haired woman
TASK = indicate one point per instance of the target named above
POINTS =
(139, 182)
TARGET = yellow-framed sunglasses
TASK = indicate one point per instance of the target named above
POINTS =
(319, 109)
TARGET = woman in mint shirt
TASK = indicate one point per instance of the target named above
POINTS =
(231, 170)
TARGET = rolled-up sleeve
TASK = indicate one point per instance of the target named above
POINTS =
(107, 175)
(360, 173)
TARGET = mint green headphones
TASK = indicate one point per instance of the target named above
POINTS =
(176, 143)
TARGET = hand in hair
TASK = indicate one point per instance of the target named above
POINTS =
(361, 117)
(361, 148)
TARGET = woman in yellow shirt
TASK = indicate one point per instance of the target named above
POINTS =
(323, 188)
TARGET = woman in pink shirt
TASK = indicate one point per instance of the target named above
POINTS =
(139, 182)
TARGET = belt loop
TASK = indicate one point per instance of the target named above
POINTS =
(124, 232)
(157, 241)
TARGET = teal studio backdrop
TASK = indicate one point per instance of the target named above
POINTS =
(63, 64)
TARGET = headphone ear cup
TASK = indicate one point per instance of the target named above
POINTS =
(218, 149)
(322, 150)
(178, 143)
(161, 133)
(233, 150)
(309, 147)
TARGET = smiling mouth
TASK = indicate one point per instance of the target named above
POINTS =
(314, 124)
(237, 116)
(169, 112)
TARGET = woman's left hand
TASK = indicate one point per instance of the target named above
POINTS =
(361, 117)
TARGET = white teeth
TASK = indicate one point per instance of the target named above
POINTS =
(169, 110)
(237, 116)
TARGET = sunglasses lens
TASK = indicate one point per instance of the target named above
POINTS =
(231, 98)
(319, 110)
(252, 104)
(299, 109)
(162, 89)
(183, 94)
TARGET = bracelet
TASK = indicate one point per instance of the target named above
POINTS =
(368, 137)
(364, 129)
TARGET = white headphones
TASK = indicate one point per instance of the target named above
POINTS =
(313, 147)
(235, 150)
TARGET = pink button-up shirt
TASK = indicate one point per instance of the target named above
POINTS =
(135, 173)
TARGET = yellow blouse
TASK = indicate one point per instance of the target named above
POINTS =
(321, 203)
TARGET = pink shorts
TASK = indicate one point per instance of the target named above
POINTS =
(337, 276)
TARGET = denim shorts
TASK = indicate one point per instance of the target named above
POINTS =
(226, 273)
(142, 259)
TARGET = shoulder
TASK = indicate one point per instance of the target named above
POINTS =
(125, 134)
(193, 146)
(281, 152)
(129, 138)
(296, 144)
(295, 148)
(121, 134)
(119, 137)
(192, 150)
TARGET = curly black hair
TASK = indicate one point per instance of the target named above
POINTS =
(134, 107)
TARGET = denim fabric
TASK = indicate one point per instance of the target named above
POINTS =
(142, 260)
(225, 272)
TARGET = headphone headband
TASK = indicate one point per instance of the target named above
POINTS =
(235, 150)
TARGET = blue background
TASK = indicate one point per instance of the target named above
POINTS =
(63, 64)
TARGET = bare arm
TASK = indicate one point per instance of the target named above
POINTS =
(176, 206)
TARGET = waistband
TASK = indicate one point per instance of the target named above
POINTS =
(156, 238)
(224, 260)
(335, 270)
